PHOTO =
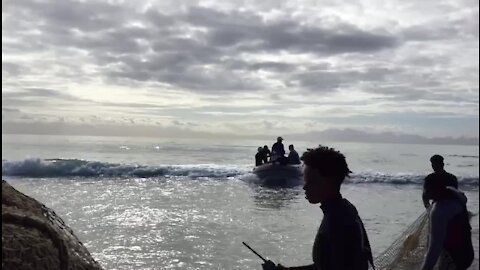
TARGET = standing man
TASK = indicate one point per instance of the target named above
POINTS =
(341, 242)
(439, 174)
(278, 151)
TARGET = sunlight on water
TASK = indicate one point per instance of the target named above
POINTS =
(178, 223)
(189, 206)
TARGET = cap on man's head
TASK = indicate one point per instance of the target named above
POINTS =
(436, 159)
(279, 139)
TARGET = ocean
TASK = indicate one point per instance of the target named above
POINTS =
(156, 203)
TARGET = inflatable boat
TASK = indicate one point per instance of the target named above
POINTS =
(276, 174)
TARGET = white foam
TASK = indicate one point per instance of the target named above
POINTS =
(60, 168)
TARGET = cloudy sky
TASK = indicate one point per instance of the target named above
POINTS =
(242, 67)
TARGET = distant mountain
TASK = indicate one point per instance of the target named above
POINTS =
(353, 135)
(342, 135)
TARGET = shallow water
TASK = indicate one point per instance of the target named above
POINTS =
(200, 224)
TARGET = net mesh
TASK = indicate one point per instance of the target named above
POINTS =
(408, 249)
(34, 237)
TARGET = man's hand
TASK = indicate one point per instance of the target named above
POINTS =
(269, 265)
(426, 204)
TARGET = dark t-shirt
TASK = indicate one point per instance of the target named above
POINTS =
(448, 179)
(278, 149)
(444, 178)
(341, 242)
(293, 157)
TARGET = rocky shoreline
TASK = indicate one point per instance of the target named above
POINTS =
(34, 237)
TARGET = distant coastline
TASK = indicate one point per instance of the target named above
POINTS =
(337, 135)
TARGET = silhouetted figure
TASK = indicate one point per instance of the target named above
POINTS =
(341, 242)
(450, 238)
(440, 175)
(266, 154)
(278, 150)
(259, 156)
(293, 157)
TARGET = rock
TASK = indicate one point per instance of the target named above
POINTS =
(34, 237)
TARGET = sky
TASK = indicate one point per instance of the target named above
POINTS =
(241, 68)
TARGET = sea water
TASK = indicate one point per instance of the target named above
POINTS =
(154, 203)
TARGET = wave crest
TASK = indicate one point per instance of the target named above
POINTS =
(402, 179)
(82, 168)
(62, 168)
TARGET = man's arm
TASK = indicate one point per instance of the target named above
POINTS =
(305, 267)
(426, 201)
(455, 181)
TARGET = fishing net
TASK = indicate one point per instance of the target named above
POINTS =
(34, 237)
(407, 250)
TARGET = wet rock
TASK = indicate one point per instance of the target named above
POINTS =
(34, 237)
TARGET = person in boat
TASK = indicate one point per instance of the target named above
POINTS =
(450, 236)
(278, 151)
(259, 156)
(440, 175)
(293, 157)
(266, 154)
(341, 242)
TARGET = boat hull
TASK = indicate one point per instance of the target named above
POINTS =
(281, 175)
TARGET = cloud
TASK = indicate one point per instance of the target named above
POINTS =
(109, 129)
(327, 81)
(196, 61)
(353, 135)
(147, 46)
(251, 32)
(13, 69)
(36, 97)
(461, 23)
(8, 110)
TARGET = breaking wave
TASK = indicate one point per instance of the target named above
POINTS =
(81, 168)
(68, 168)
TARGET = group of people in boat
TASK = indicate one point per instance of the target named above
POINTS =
(277, 155)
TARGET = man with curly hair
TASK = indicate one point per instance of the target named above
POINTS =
(341, 242)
